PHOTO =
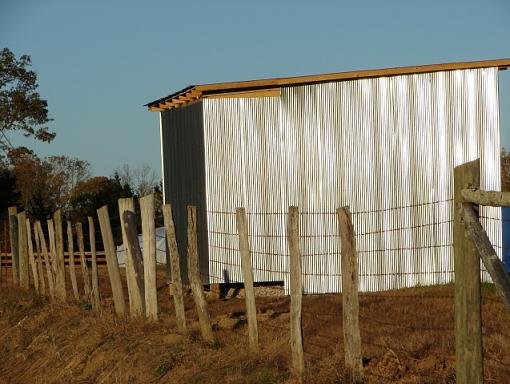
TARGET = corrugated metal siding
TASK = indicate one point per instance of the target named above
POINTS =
(184, 176)
(384, 146)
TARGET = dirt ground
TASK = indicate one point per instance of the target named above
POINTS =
(407, 337)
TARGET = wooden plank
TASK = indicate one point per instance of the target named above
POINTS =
(490, 198)
(111, 261)
(39, 261)
(173, 252)
(96, 297)
(72, 266)
(24, 277)
(493, 264)
(194, 277)
(296, 294)
(60, 276)
(49, 268)
(135, 253)
(31, 258)
(244, 250)
(350, 300)
(468, 325)
(83, 261)
(273, 92)
(135, 294)
(13, 237)
(149, 256)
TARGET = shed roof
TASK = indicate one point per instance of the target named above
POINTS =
(271, 87)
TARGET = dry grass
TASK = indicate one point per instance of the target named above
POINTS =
(407, 337)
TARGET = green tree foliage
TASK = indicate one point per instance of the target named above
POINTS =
(21, 107)
(505, 170)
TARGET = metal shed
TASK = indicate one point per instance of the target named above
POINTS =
(383, 142)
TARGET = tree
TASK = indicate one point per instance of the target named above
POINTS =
(505, 170)
(21, 107)
(142, 180)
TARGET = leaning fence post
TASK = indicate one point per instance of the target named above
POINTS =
(42, 284)
(149, 256)
(60, 276)
(251, 309)
(72, 266)
(96, 298)
(194, 276)
(296, 293)
(111, 260)
(13, 237)
(468, 325)
(132, 248)
(24, 278)
(49, 269)
(350, 303)
(83, 261)
(175, 268)
(135, 295)
(31, 257)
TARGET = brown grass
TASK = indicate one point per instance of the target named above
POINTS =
(407, 337)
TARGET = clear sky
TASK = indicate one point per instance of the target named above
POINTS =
(98, 62)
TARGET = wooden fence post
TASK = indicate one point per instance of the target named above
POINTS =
(194, 276)
(149, 256)
(468, 325)
(135, 295)
(132, 246)
(296, 294)
(350, 301)
(72, 266)
(42, 284)
(31, 257)
(96, 298)
(13, 237)
(60, 275)
(111, 260)
(24, 277)
(83, 261)
(49, 268)
(251, 309)
(175, 268)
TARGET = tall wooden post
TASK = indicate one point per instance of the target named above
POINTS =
(251, 309)
(24, 277)
(42, 284)
(31, 258)
(60, 275)
(72, 266)
(194, 277)
(135, 295)
(96, 298)
(13, 237)
(49, 268)
(149, 256)
(468, 324)
(83, 260)
(350, 301)
(175, 268)
(111, 260)
(296, 294)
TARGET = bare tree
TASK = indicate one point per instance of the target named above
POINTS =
(142, 179)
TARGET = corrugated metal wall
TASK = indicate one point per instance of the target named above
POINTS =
(384, 146)
(184, 176)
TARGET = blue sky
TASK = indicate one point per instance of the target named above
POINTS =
(98, 62)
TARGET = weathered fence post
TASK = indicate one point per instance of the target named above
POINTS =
(31, 257)
(49, 268)
(83, 261)
(96, 298)
(149, 256)
(468, 325)
(111, 260)
(72, 266)
(350, 301)
(296, 294)
(135, 295)
(52, 250)
(132, 246)
(194, 276)
(251, 309)
(60, 275)
(42, 284)
(175, 268)
(24, 277)
(13, 237)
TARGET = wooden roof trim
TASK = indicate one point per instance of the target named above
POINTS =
(272, 92)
